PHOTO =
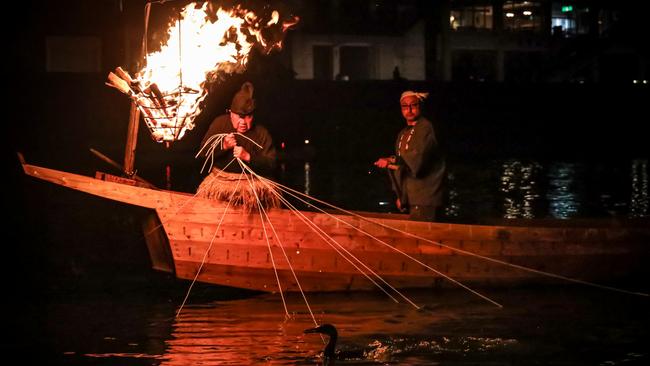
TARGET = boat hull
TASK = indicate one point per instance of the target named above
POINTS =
(289, 250)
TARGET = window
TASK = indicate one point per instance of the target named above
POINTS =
(569, 20)
(471, 17)
(522, 16)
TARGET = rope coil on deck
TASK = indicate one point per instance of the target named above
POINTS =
(221, 185)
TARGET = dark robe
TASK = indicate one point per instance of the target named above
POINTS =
(263, 159)
(419, 180)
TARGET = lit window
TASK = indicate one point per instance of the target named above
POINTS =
(522, 16)
(471, 17)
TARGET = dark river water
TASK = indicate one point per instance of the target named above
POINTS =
(84, 294)
(540, 326)
(495, 188)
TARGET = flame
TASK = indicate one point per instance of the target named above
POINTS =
(201, 44)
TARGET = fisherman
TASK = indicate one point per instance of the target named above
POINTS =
(418, 168)
(235, 145)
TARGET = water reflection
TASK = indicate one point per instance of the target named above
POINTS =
(639, 195)
(519, 185)
(307, 169)
(371, 328)
(512, 188)
(561, 195)
(451, 328)
(452, 209)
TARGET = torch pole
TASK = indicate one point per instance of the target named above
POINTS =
(131, 140)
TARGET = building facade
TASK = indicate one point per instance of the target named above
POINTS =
(473, 40)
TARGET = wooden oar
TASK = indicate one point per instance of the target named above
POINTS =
(117, 166)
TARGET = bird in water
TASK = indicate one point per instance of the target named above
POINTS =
(328, 352)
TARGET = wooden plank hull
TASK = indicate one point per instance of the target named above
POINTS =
(236, 248)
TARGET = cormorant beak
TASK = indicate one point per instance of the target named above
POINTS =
(327, 329)
(312, 330)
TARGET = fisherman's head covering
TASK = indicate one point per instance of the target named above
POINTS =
(408, 93)
(243, 102)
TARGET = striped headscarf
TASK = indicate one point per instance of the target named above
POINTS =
(408, 93)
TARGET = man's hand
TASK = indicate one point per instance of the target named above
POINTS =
(384, 163)
(241, 153)
(228, 142)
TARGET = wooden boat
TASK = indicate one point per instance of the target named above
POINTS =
(229, 246)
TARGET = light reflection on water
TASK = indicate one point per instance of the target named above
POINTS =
(452, 328)
(307, 179)
(562, 196)
(503, 188)
(640, 188)
(520, 189)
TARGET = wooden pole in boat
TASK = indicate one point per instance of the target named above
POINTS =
(168, 172)
(134, 114)
(131, 140)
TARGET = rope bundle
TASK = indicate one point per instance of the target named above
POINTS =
(239, 189)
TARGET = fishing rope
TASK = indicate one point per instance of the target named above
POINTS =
(406, 255)
(268, 243)
(188, 200)
(218, 138)
(543, 273)
(327, 238)
(262, 210)
(403, 253)
(212, 142)
(302, 293)
(205, 255)
(244, 166)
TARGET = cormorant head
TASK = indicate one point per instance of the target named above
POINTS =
(327, 329)
(328, 352)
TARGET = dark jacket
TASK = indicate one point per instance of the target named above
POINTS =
(263, 159)
(422, 167)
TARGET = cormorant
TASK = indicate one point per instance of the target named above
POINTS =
(328, 352)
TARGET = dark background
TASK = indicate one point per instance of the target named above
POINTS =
(54, 118)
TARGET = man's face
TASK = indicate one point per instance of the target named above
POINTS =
(241, 122)
(410, 108)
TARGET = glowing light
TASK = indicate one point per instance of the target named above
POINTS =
(527, 12)
(202, 44)
(510, 15)
(307, 142)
